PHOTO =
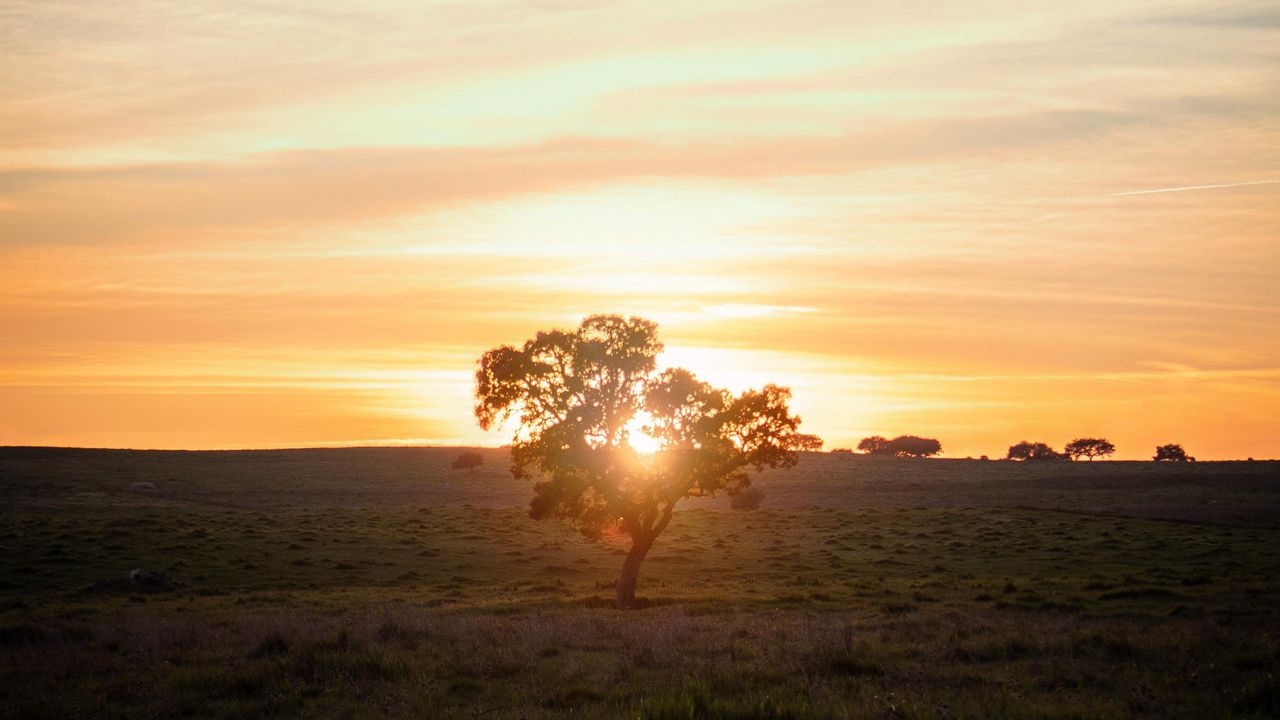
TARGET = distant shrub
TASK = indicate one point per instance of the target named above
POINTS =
(841, 450)
(271, 645)
(393, 632)
(695, 699)
(748, 499)
(468, 461)
(842, 664)
(12, 635)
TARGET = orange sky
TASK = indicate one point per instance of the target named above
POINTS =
(291, 224)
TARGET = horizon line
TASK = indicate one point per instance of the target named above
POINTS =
(833, 451)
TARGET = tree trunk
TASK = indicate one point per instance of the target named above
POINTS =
(630, 571)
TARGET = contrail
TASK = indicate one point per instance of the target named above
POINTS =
(1194, 187)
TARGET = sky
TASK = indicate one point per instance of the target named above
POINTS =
(285, 224)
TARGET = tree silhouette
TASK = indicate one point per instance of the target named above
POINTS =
(1172, 452)
(1089, 447)
(874, 445)
(468, 461)
(901, 446)
(1032, 451)
(912, 446)
(578, 396)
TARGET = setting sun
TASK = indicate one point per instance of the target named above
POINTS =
(638, 439)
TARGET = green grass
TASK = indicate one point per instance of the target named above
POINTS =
(379, 583)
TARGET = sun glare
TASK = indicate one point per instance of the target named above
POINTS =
(640, 441)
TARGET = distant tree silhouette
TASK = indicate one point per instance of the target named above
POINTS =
(912, 446)
(1032, 451)
(1172, 452)
(1089, 447)
(901, 446)
(468, 461)
(577, 396)
(874, 445)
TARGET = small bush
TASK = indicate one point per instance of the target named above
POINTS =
(271, 645)
(573, 699)
(1138, 593)
(391, 632)
(12, 635)
(468, 461)
(994, 650)
(749, 499)
(465, 687)
(696, 701)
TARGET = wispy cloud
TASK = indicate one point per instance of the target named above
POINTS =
(858, 200)
(1186, 188)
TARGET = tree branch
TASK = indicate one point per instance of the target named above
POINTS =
(666, 518)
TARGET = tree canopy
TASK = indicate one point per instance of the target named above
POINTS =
(579, 399)
(1089, 447)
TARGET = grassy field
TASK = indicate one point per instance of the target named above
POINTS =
(377, 582)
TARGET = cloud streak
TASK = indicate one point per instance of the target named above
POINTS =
(1186, 188)
(356, 184)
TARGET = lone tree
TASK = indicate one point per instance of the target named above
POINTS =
(468, 461)
(1172, 452)
(1089, 447)
(587, 401)
(1032, 451)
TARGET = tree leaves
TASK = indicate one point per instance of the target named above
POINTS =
(573, 396)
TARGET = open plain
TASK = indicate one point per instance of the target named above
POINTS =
(380, 583)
